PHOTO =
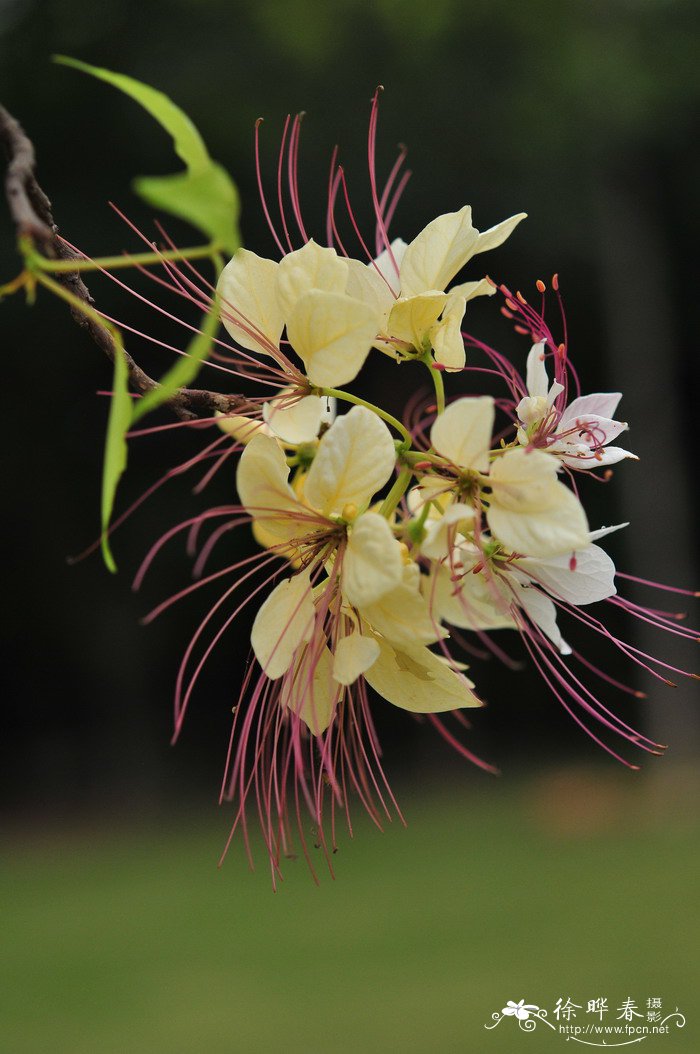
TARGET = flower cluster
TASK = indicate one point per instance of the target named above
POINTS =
(388, 543)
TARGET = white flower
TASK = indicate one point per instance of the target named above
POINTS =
(478, 589)
(578, 433)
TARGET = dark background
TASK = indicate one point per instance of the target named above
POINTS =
(583, 115)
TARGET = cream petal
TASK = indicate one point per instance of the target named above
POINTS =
(296, 421)
(285, 620)
(543, 613)
(403, 615)
(610, 455)
(530, 410)
(372, 564)
(474, 602)
(355, 458)
(603, 531)
(470, 290)
(412, 318)
(591, 580)
(463, 432)
(353, 655)
(495, 236)
(309, 689)
(332, 333)
(366, 284)
(441, 533)
(430, 489)
(593, 430)
(414, 679)
(602, 404)
(530, 511)
(250, 310)
(441, 249)
(388, 263)
(242, 428)
(264, 490)
(446, 336)
(311, 267)
(536, 373)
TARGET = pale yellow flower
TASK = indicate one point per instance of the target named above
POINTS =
(331, 331)
(408, 284)
(526, 506)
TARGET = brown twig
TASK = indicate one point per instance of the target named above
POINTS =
(30, 210)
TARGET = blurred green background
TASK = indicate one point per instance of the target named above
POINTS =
(566, 876)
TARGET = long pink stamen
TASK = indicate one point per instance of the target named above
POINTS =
(261, 190)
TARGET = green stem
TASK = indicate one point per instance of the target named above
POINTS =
(111, 263)
(336, 393)
(396, 493)
(413, 457)
(438, 382)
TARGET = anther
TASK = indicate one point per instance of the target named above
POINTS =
(521, 329)
(506, 312)
(511, 304)
(555, 283)
(349, 512)
(540, 285)
(520, 297)
(572, 562)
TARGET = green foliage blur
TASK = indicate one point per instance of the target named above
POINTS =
(129, 940)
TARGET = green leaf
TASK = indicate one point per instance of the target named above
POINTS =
(115, 446)
(208, 200)
(184, 371)
(204, 194)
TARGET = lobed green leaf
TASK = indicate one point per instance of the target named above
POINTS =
(204, 195)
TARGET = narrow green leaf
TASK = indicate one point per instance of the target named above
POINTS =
(115, 445)
(204, 195)
(184, 370)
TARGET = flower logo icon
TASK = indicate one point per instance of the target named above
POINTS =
(521, 1010)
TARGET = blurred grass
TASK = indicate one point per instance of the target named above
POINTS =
(128, 939)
